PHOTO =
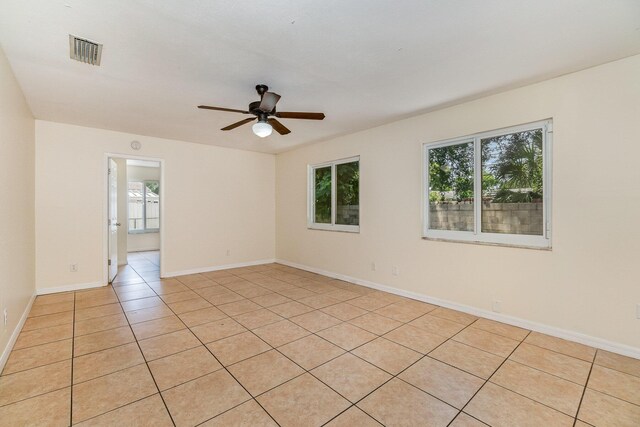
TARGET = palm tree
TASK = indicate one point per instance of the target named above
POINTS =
(515, 161)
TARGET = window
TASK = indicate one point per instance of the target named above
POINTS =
(144, 206)
(334, 195)
(492, 187)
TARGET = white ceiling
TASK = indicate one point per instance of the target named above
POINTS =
(361, 62)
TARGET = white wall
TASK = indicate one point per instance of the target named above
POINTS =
(142, 241)
(228, 196)
(17, 222)
(587, 284)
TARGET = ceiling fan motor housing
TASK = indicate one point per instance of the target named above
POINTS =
(254, 108)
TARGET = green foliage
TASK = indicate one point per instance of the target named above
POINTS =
(512, 169)
(153, 186)
(323, 195)
(451, 169)
(347, 189)
(347, 185)
(515, 162)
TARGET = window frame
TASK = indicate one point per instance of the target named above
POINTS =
(477, 235)
(144, 208)
(311, 224)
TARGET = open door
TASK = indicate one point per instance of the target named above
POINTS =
(113, 220)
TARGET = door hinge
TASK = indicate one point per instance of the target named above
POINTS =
(109, 171)
(109, 263)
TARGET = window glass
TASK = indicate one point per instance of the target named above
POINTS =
(152, 211)
(512, 183)
(347, 193)
(136, 206)
(491, 187)
(322, 189)
(451, 198)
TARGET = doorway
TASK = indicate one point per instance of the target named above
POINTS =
(133, 244)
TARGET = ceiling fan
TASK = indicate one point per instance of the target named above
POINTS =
(265, 111)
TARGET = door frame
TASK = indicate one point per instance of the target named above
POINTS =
(105, 210)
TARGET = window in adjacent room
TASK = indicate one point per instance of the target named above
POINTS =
(492, 187)
(334, 199)
(144, 206)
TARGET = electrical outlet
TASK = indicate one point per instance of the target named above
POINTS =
(374, 267)
(395, 271)
(6, 317)
(496, 306)
(228, 252)
(73, 268)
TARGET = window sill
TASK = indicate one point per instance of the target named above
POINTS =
(339, 229)
(481, 243)
(143, 232)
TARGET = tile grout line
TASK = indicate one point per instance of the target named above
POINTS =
(73, 350)
(592, 363)
(496, 370)
(214, 356)
(584, 391)
(145, 359)
(350, 352)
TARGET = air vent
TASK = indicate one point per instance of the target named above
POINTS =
(84, 50)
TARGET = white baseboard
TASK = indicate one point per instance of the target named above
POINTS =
(14, 336)
(67, 288)
(596, 342)
(218, 267)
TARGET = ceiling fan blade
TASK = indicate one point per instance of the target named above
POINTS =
(268, 102)
(279, 127)
(240, 123)
(232, 110)
(298, 115)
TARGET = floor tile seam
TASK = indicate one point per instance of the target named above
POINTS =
(615, 397)
(618, 370)
(35, 395)
(73, 384)
(214, 356)
(235, 406)
(34, 367)
(44, 343)
(385, 333)
(44, 327)
(73, 352)
(147, 363)
(158, 335)
(47, 314)
(494, 372)
(468, 415)
(485, 380)
(558, 352)
(352, 406)
(116, 408)
(481, 349)
(535, 400)
(547, 373)
(474, 326)
(109, 328)
(101, 316)
(37, 304)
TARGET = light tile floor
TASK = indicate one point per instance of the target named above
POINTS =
(272, 345)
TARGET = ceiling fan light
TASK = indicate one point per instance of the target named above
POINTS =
(262, 129)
